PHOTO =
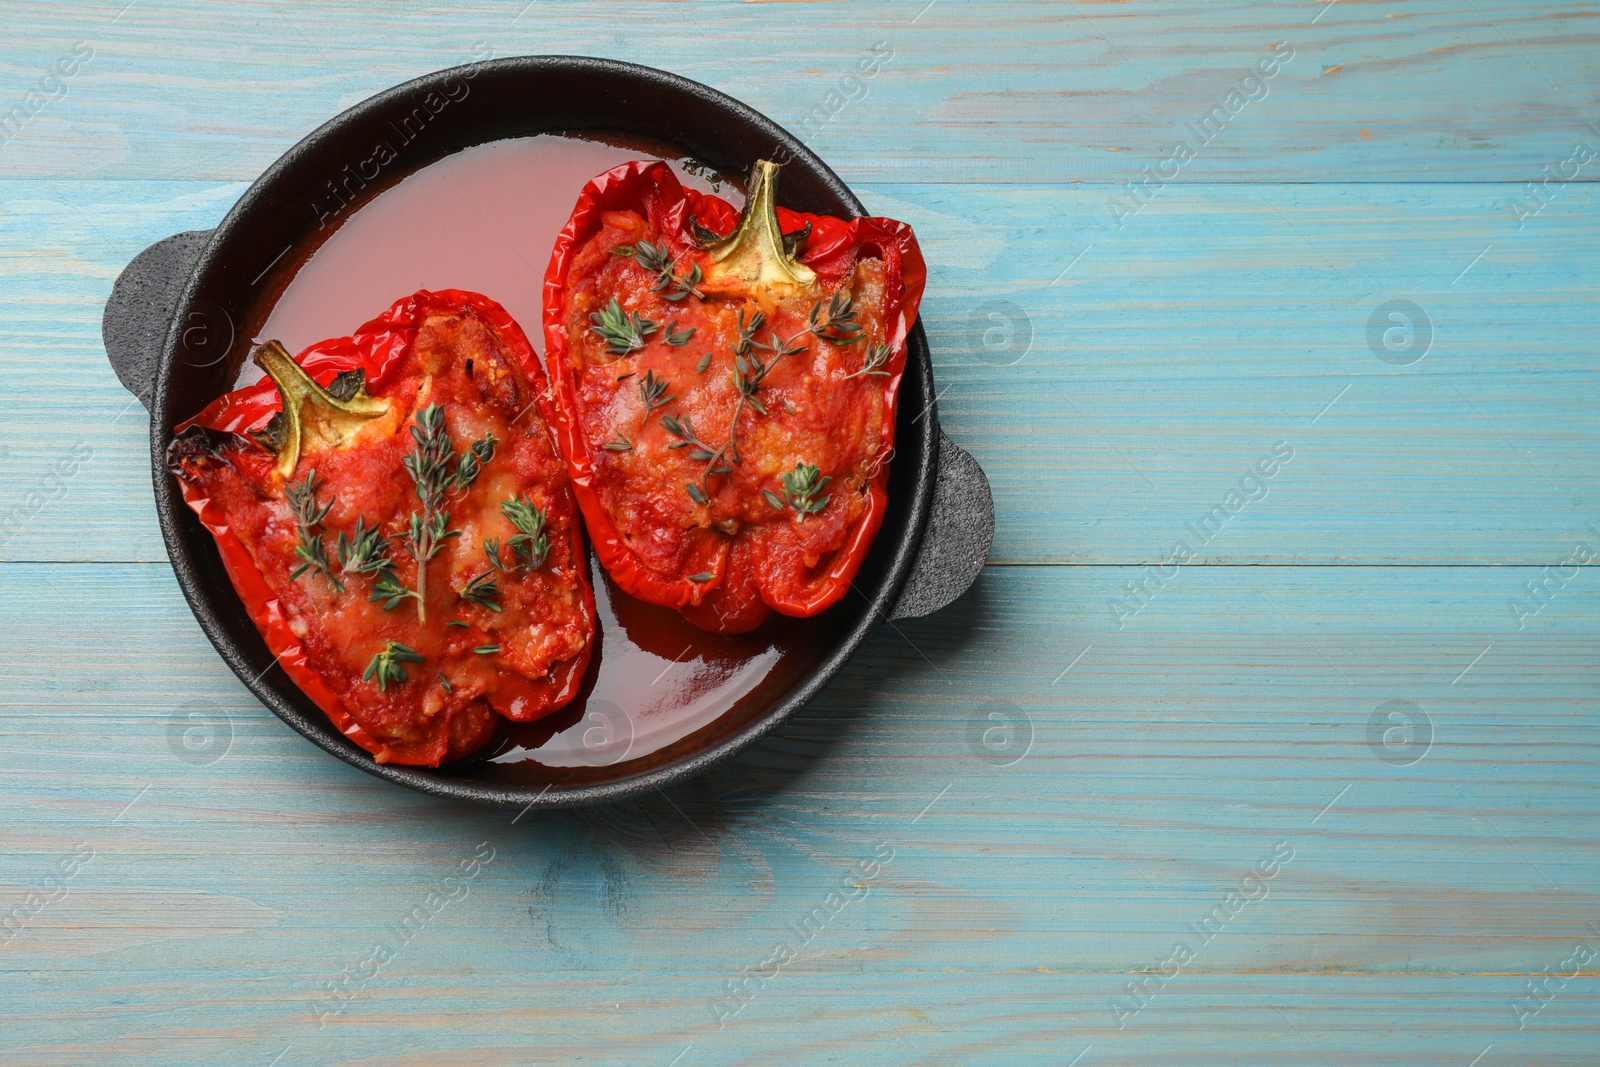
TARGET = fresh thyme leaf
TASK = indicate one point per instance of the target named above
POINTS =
(680, 426)
(874, 361)
(801, 486)
(482, 589)
(386, 665)
(686, 285)
(703, 576)
(388, 589)
(678, 338)
(622, 331)
(458, 622)
(435, 470)
(747, 331)
(658, 261)
(652, 391)
(832, 320)
(474, 459)
(487, 650)
(621, 444)
(364, 551)
(773, 498)
(625, 377)
(652, 257)
(448, 688)
(309, 517)
(530, 547)
(838, 324)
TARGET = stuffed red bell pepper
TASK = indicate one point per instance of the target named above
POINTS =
(727, 387)
(395, 516)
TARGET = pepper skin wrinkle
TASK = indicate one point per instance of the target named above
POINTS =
(414, 626)
(727, 385)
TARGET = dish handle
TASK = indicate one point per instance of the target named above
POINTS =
(956, 543)
(143, 301)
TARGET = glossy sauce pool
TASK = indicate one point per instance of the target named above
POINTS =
(485, 219)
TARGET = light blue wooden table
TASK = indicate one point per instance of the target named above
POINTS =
(1335, 745)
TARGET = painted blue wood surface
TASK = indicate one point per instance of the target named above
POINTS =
(1151, 748)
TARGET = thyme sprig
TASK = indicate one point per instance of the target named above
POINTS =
(436, 469)
(838, 324)
(366, 551)
(482, 589)
(682, 427)
(622, 331)
(801, 487)
(653, 391)
(530, 546)
(833, 321)
(309, 517)
(387, 666)
(876, 359)
(657, 260)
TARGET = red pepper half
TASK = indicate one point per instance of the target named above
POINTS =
(403, 536)
(726, 385)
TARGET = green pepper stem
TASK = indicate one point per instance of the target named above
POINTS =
(311, 415)
(754, 251)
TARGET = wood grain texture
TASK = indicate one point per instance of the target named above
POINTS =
(1110, 405)
(1076, 764)
(995, 91)
(1170, 759)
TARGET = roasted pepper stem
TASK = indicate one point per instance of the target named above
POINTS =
(312, 416)
(755, 252)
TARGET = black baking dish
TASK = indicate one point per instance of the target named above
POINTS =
(933, 541)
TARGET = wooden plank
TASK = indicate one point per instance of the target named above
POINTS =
(1165, 359)
(1493, 90)
(1381, 691)
(1164, 766)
